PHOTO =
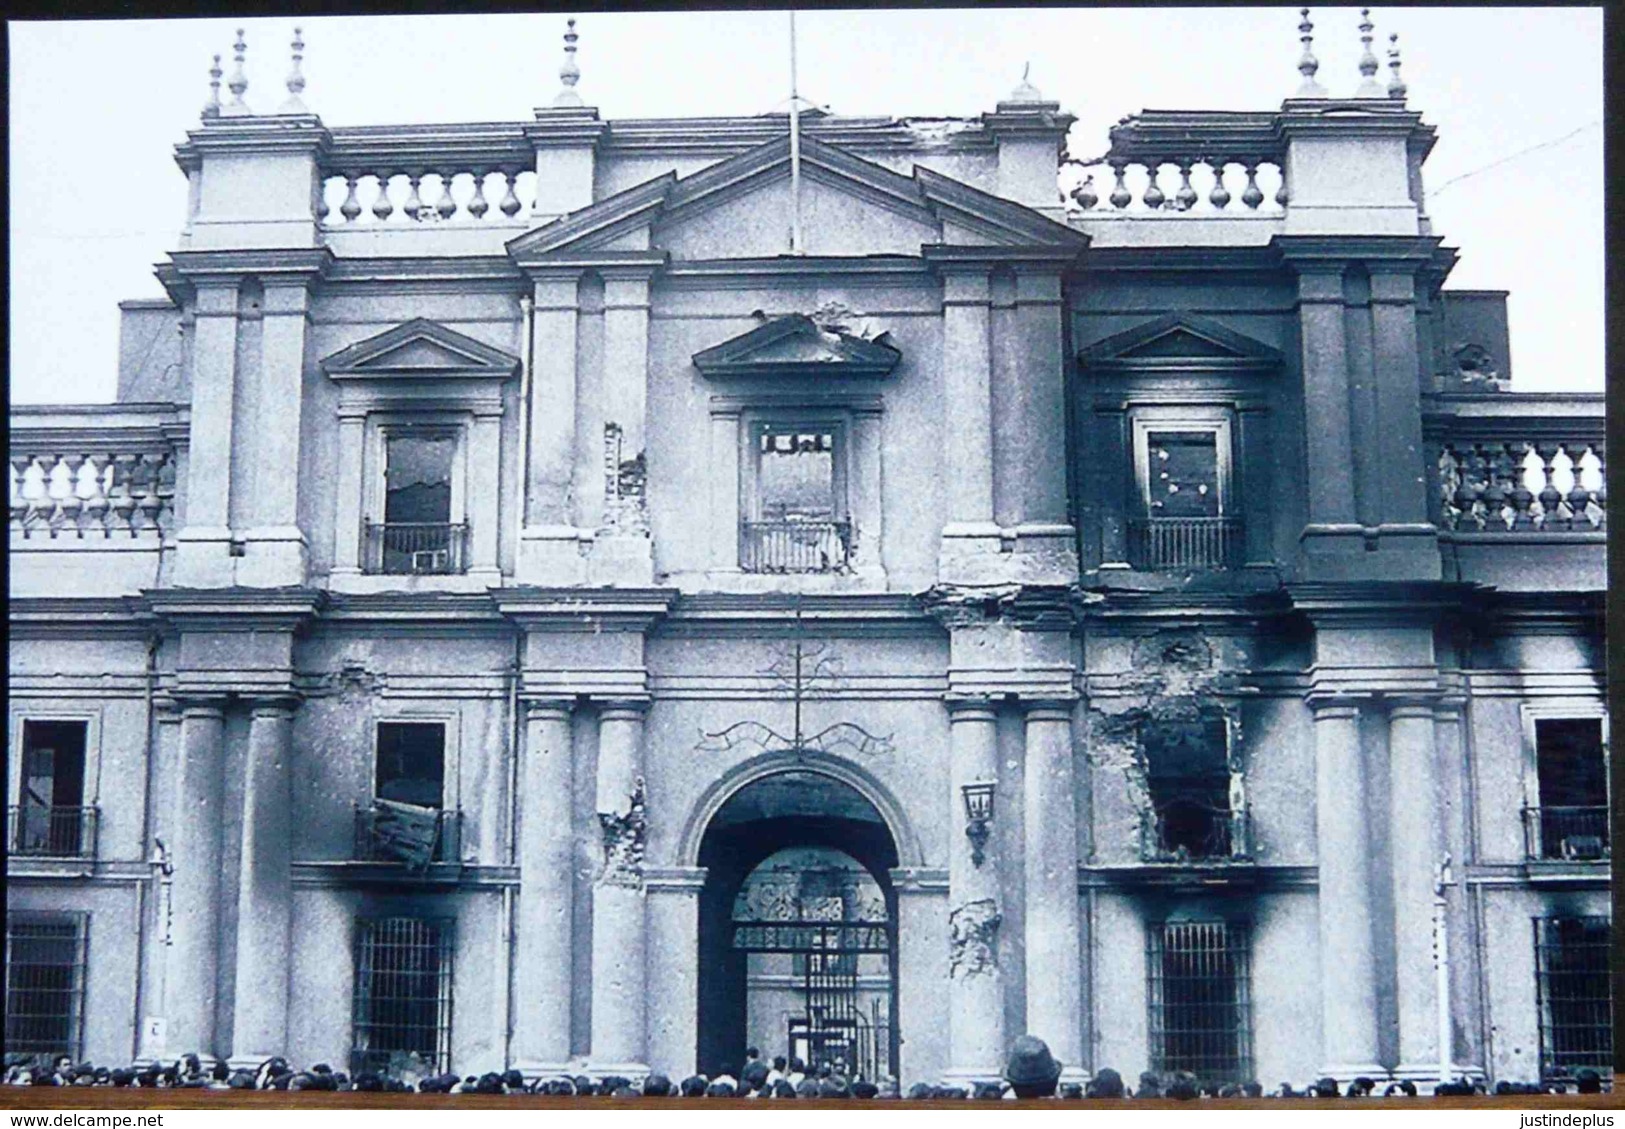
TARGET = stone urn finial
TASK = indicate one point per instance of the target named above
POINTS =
(211, 108)
(569, 72)
(239, 81)
(1369, 86)
(1396, 84)
(1307, 63)
(293, 104)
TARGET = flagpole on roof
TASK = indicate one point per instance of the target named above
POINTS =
(795, 149)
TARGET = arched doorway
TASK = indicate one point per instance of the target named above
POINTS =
(797, 929)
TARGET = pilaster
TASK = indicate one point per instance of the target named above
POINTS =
(549, 550)
(622, 553)
(203, 546)
(274, 547)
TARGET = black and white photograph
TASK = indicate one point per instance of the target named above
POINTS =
(892, 555)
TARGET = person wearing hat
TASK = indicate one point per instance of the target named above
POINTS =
(1106, 1084)
(1031, 1070)
(754, 1077)
(1588, 1081)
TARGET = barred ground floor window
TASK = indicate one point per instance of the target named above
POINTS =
(1200, 1002)
(45, 983)
(1572, 985)
(402, 1006)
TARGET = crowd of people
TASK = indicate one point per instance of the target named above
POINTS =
(1030, 1072)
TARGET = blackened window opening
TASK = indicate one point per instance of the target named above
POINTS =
(1199, 980)
(402, 1005)
(1572, 986)
(51, 818)
(411, 762)
(1188, 778)
(1183, 474)
(1572, 776)
(45, 983)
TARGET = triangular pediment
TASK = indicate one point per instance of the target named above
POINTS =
(420, 348)
(795, 345)
(867, 209)
(1180, 340)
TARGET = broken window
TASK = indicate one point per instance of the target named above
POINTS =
(1183, 470)
(422, 531)
(402, 1004)
(795, 519)
(45, 983)
(411, 762)
(1571, 818)
(1189, 782)
(1183, 473)
(50, 818)
(1572, 986)
(1199, 995)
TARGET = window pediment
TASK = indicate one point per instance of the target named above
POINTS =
(797, 347)
(420, 349)
(1179, 341)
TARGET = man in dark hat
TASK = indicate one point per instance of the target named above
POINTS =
(1031, 1070)
(1325, 1088)
(920, 1091)
(834, 1087)
(863, 1088)
(657, 1086)
(122, 1077)
(719, 1089)
(1182, 1087)
(1107, 1083)
(988, 1092)
(694, 1086)
(1150, 1085)
(1252, 1088)
(753, 1077)
(1071, 1092)
(1588, 1081)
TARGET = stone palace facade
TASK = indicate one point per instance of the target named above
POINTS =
(518, 613)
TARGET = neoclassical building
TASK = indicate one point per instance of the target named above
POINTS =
(570, 593)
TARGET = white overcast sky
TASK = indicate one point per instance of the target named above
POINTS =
(97, 106)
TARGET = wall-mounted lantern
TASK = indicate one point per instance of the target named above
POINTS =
(978, 815)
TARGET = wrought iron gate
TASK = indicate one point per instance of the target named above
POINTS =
(843, 1022)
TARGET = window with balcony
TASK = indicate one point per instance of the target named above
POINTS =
(402, 1004)
(406, 821)
(795, 514)
(1199, 995)
(422, 530)
(1572, 988)
(51, 818)
(1196, 812)
(45, 983)
(1188, 518)
(1570, 819)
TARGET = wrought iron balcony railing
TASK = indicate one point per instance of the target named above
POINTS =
(1184, 831)
(416, 548)
(381, 835)
(795, 546)
(52, 832)
(1169, 543)
(1569, 833)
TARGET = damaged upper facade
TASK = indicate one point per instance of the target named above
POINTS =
(493, 462)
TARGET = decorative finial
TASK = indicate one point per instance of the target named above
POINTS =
(211, 108)
(296, 79)
(569, 73)
(1308, 65)
(239, 81)
(1396, 85)
(1369, 86)
(1026, 91)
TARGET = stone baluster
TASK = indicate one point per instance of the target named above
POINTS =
(510, 201)
(1470, 467)
(1495, 493)
(1084, 193)
(1600, 494)
(1121, 197)
(121, 500)
(93, 496)
(446, 206)
(382, 207)
(413, 207)
(1185, 197)
(18, 469)
(1220, 196)
(1551, 498)
(477, 204)
(1281, 195)
(351, 208)
(1154, 198)
(71, 504)
(1522, 497)
(145, 476)
(1578, 495)
(1252, 195)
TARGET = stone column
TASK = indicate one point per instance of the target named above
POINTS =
(1054, 955)
(967, 373)
(542, 979)
(1046, 541)
(1401, 456)
(483, 493)
(1416, 843)
(867, 484)
(202, 552)
(1347, 971)
(725, 511)
(548, 552)
(674, 982)
(264, 889)
(975, 907)
(153, 1038)
(619, 926)
(275, 553)
(1330, 468)
(349, 498)
(192, 975)
(622, 553)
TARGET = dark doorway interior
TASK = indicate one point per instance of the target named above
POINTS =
(788, 810)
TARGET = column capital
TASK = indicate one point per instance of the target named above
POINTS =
(1410, 705)
(274, 705)
(201, 705)
(1048, 709)
(970, 708)
(622, 708)
(674, 879)
(548, 709)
